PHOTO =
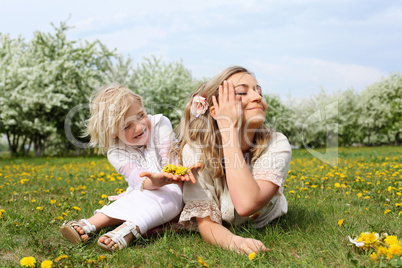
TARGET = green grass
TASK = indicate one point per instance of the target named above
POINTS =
(370, 182)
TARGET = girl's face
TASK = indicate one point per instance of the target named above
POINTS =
(136, 128)
(253, 103)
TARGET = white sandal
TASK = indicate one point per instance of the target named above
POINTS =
(68, 231)
(118, 237)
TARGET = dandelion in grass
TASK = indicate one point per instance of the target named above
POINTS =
(76, 208)
(52, 201)
(251, 256)
(202, 262)
(28, 262)
(46, 264)
(373, 256)
(90, 261)
(60, 258)
(387, 211)
(382, 251)
(104, 196)
(101, 257)
(391, 239)
(39, 208)
(340, 222)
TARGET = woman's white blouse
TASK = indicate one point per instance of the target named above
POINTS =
(211, 197)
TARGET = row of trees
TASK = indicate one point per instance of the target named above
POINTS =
(345, 118)
(43, 80)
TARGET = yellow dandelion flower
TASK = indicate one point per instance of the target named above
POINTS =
(46, 264)
(60, 218)
(340, 222)
(337, 185)
(101, 257)
(90, 261)
(398, 204)
(104, 196)
(359, 194)
(251, 256)
(39, 208)
(291, 192)
(202, 262)
(72, 189)
(381, 251)
(76, 208)
(389, 256)
(387, 211)
(33, 200)
(60, 258)
(52, 201)
(28, 262)
(101, 202)
(395, 249)
(373, 256)
(391, 239)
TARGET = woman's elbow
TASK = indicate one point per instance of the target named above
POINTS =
(245, 211)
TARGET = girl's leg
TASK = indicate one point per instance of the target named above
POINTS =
(100, 221)
(156, 207)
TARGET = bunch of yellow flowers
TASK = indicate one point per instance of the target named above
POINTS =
(177, 170)
(384, 246)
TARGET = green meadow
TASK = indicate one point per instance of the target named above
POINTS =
(363, 193)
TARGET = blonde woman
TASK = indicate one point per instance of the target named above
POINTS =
(137, 146)
(245, 164)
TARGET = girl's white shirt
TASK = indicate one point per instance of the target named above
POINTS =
(130, 161)
(211, 197)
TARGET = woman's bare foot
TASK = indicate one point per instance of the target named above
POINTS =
(107, 241)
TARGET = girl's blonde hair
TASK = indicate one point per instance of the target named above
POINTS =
(203, 132)
(108, 106)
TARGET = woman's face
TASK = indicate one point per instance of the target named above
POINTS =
(136, 128)
(253, 103)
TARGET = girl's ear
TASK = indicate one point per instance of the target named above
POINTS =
(212, 111)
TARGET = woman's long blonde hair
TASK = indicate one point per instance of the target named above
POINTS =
(202, 132)
(108, 106)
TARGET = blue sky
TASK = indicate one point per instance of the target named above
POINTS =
(295, 47)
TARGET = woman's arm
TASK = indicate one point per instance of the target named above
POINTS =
(217, 234)
(247, 194)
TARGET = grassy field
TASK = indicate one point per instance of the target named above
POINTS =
(364, 190)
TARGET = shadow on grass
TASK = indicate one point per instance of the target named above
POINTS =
(299, 218)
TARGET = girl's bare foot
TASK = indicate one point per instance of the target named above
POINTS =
(107, 241)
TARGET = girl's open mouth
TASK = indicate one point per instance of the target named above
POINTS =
(141, 134)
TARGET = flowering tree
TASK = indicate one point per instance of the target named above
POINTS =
(42, 81)
(164, 87)
(381, 110)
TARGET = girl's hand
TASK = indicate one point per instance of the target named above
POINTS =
(163, 178)
(228, 112)
(247, 246)
(160, 179)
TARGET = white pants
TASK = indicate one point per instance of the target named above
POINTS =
(147, 209)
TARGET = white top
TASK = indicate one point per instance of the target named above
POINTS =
(130, 161)
(211, 197)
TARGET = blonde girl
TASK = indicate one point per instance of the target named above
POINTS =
(245, 164)
(137, 146)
